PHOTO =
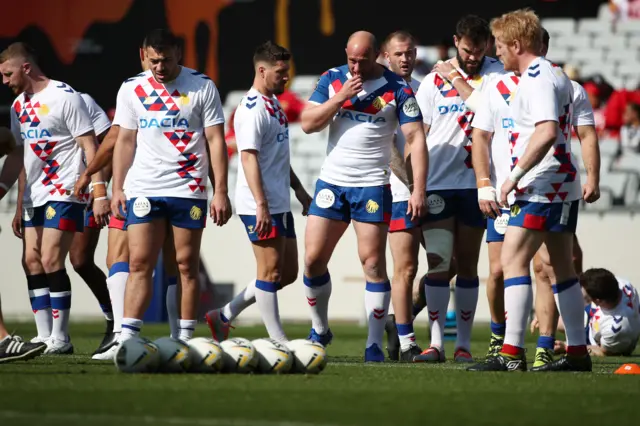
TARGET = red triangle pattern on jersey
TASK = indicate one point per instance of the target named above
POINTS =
(197, 185)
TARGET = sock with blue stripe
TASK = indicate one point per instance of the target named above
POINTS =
(437, 294)
(187, 327)
(116, 283)
(267, 301)
(546, 342)
(406, 335)
(466, 297)
(172, 308)
(40, 303)
(130, 328)
(518, 299)
(498, 329)
(570, 303)
(376, 303)
(318, 291)
(60, 288)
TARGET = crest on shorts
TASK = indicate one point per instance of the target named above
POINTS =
(195, 213)
(50, 213)
(515, 210)
(372, 206)
(250, 228)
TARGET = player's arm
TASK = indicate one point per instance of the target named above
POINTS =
(591, 159)
(89, 145)
(102, 160)
(123, 153)
(301, 194)
(597, 351)
(321, 108)
(398, 165)
(482, 135)
(13, 165)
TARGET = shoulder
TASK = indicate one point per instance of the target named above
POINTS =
(132, 83)
(88, 100)
(251, 105)
(492, 66)
(196, 79)
(63, 89)
(135, 78)
(336, 73)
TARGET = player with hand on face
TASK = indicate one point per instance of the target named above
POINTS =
(172, 120)
(262, 193)
(53, 129)
(363, 104)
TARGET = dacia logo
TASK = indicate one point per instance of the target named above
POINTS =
(283, 136)
(360, 117)
(163, 122)
(372, 206)
(507, 123)
(35, 134)
(444, 109)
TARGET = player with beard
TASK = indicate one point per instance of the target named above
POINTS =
(454, 225)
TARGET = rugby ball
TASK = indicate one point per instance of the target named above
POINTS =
(174, 355)
(205, 354)
(238, 356)
(273, 356)
(137, 355)
(308, 357)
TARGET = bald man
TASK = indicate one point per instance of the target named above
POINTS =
(363, 104)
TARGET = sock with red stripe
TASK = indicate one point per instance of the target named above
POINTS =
(437, 294)
(318, 291)
(60, 287)
(466, 297)
(570, 303)
(377, 297)
(40, 303)
(518, 300)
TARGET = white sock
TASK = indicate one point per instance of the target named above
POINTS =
(466, 297)
(242, 301)
(376, 302)
(172, 308)
(518, 299)
(570, 305)
(187, 327)
(406, 335)
(437, 294)
(318, 291)
(117, 283)
(267, 300)
(60, 304)
(41, 307)
(130, 328)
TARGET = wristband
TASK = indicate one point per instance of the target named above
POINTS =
(488, 193)
(516, 174)
(100, 199)
(455, 78)
(452, 71)
(483, 183)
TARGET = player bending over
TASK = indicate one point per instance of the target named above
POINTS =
(362, 103)
(51, 120)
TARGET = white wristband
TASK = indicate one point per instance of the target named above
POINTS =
(487, 193)
(516, 174)
(454, 80)
(100, 198)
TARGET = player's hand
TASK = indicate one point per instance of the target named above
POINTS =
(444, 69)
(534, 324)
(506, 189)
(305, 199)
(263, 221)
(488, 202)
(417, 205)
(16, 223)
(590, 192)
(350, 88)
(118, 200)
(81, 185)
(101, 211)
(220, 209)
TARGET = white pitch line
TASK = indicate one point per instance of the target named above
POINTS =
(196, 421)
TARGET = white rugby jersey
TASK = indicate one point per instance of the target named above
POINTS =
(617, 329)
(361, 133)
(47, 124)
(582, 111)
(449, 136)
(99, 118)
(171, 156)
(399, 190)
(545, 93)
(261, 124)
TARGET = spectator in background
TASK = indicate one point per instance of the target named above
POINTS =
(623, 10)
(594, 94)
(230, 136)
(630, 131)
(615, 108)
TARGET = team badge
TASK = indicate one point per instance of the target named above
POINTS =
(195, 213)
(50, 213)
(250, 228)
(515, 210)
(141, 207)
(372, 206)
(435, 204)
(325, 198)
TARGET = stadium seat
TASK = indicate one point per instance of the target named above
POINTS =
(560, 55)
(621, 55)
(594, 26)
(629, 162)
(590, 69)
(304, 85)
(610, 42)
(231, 102)
(616, 183)
(631, 189)
(629, 69)
(609, 147)
(574, 41)
(604, 12)
(559, 27)
(630, 27)
(587, 56)
(604, 204)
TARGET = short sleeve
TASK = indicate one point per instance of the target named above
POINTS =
(249, 125)
(618, 342)
(212, 114)
(99, 118)
(407, 108)
(484, 117)
(76, 115)
(425, 99)
(321, 93)
(125, 114)
(15, 128)
(582, 111)
(542, 99)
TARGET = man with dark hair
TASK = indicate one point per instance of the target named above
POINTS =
(448, 99)
(262, 193)
(52, 120)
(172, 119)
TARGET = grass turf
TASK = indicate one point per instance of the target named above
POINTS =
(74, 391)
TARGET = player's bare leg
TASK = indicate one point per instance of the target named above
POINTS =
(495, 296)
(173, 290)
(39, 292)
(290, 269)
(404, 250)
(321, 237)
(145, 242)
(546, 312)
(467, 253)
(82, 255)
(187, 246)
(439, 240)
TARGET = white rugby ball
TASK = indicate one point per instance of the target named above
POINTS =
(238, 356)
(308, 357)
(273, 356)
(205, 354)
(137, 355)
(174, 355)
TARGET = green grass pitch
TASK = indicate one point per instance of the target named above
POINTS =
(75, 391)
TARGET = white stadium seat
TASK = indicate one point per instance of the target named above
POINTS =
(231, 102)
(558, 27)
(304, 85)
(587, 55)
(609, 147)
(615, 182)
(575, 41)
(621, 55)
(559, 54)
(629, 68)
(591, 69)
(603, 204)
(594, 26)
(610, 42)
(631, 27)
